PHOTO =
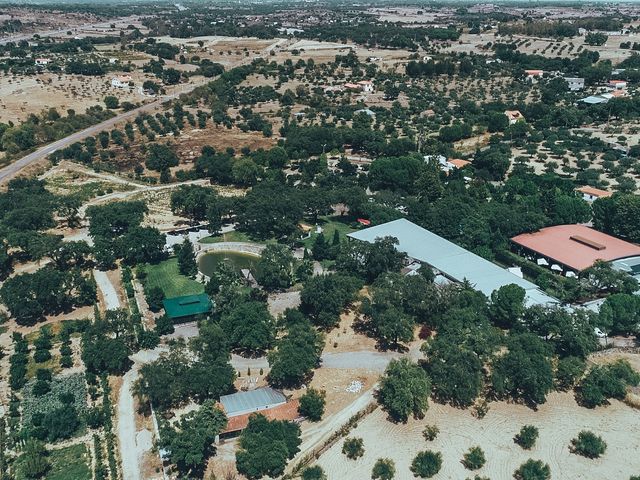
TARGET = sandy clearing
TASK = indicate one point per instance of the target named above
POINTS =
(559, 420)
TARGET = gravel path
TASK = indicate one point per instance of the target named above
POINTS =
(108, 290)
(127, 428)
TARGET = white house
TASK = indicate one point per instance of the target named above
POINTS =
(617, 84)
(121, 81)
(575, 83)
(514, 116)
(534, 74)
(445, 164)
(591, 194)
(366, 86)
(42, 62)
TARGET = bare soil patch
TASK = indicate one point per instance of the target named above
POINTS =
(559, 420)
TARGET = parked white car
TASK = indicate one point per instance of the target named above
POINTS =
(599, 333)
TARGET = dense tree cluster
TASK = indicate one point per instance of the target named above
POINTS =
(200, 371)
(266, 446)
(117, 233)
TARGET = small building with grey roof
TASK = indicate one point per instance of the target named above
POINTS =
(252, 401)
(451, 260)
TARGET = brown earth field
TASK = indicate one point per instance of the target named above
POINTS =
(559, 420)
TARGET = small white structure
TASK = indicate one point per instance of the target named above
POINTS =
(41, 62)
(575, 83)
(366, 111)
(121, 81)
(366, 86)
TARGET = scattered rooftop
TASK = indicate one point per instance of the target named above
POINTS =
(287, 411)
(594, 192)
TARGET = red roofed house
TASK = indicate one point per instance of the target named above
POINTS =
(269, 402)
(591, 194)
(451, 164)
(572, 248)
(352, 86)
(533, 74)
(514, 116)
(618, 84)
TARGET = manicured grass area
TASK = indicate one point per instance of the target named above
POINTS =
(70, 463)
(166, 276)
(232, 236)
(329, 226)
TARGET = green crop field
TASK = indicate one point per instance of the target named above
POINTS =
(70, 463)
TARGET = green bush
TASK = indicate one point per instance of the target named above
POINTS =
(474, 459)
(588, 444)
(353, 448)
(526, 437)
(314, 473)
(533, 470)
(312, 404)
(383, 469)
(426, 464)
(430, 432)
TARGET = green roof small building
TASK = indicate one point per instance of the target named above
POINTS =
(183, 309)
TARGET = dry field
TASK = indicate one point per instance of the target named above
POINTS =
(22, 96)
(559, 420)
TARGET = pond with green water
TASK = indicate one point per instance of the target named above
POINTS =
(209, 261)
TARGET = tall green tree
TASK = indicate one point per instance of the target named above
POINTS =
(274, 270)
(187, 259)
(404, 390)
(266, 447)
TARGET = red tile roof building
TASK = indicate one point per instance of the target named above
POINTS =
(287, 411)
(576, 247)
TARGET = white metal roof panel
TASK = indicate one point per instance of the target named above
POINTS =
(451, 259)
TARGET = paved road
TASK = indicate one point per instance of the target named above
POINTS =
(12, 169)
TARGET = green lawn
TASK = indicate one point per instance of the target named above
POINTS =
(70, 463)
(329, 226)
(166, 276)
